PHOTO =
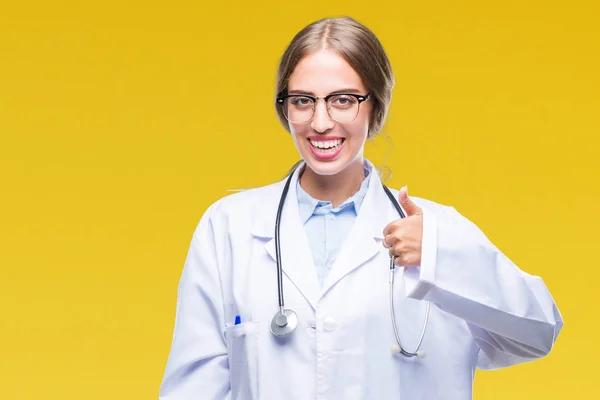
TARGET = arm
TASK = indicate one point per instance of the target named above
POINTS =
(510, 313)
(197, 366)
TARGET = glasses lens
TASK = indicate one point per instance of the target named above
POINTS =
(298, 109)
(343, 108)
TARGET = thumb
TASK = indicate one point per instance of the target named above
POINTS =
(406, 203)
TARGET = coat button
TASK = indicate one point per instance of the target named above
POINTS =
(329, 324)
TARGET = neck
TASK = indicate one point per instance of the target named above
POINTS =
(334, 188)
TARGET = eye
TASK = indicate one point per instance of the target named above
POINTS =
(342, 101)
(301, 101)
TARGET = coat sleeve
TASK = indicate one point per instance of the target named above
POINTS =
(510, 313)
(197, 366)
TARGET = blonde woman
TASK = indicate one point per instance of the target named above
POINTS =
(286, 291)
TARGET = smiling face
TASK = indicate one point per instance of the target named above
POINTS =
(326, 145)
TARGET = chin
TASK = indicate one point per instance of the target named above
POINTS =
(327, 168)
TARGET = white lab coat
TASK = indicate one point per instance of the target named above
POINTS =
(485, 313)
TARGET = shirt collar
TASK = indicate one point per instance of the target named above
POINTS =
(307, 204)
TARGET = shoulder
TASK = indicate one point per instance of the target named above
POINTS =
(428, 205)
(447, 217)
(244, 206)
(249, 199)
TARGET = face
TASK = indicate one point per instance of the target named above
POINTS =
(328, 146)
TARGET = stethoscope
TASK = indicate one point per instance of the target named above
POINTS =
(285, 320)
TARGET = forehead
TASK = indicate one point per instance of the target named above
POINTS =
(323, 72)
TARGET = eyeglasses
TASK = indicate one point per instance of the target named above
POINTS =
(342, 107)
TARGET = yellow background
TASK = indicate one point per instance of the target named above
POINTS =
(121, 121)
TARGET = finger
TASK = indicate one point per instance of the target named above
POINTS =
(388, 229)
(406, 203)
(398, 261)
(394, 251)
(391, 241)
(402, 260)
(385, 244)
(391, 227)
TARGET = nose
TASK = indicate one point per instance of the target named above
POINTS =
(321, 121)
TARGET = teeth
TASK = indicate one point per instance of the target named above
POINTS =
(328, 144)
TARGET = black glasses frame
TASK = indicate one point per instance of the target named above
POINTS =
(359, 97)
(283, 96)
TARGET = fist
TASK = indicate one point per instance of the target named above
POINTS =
(404, 236)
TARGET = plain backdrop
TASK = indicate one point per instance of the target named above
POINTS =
(121, 121)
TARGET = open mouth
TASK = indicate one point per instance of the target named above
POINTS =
(326, 146)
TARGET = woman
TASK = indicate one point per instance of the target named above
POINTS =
(338, 230)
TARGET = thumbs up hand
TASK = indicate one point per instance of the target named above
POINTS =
(404, 236)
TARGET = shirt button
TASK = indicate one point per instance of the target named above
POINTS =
(329, 324)
(330, 216)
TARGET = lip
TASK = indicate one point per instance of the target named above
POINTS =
(329, 156)
(323, 138)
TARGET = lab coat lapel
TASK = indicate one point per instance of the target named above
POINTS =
(364, 240)
(296, 255)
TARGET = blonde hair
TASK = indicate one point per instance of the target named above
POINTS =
(358, 46)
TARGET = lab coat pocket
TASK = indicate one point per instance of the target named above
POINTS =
(242, 349)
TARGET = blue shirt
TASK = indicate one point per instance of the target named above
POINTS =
(327, 227)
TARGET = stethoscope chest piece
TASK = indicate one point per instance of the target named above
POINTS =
(284, 323)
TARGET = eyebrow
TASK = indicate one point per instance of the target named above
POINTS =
(346, 90)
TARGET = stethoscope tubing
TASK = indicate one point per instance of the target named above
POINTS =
(278, 242)
(392, 274)
(391, 280)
